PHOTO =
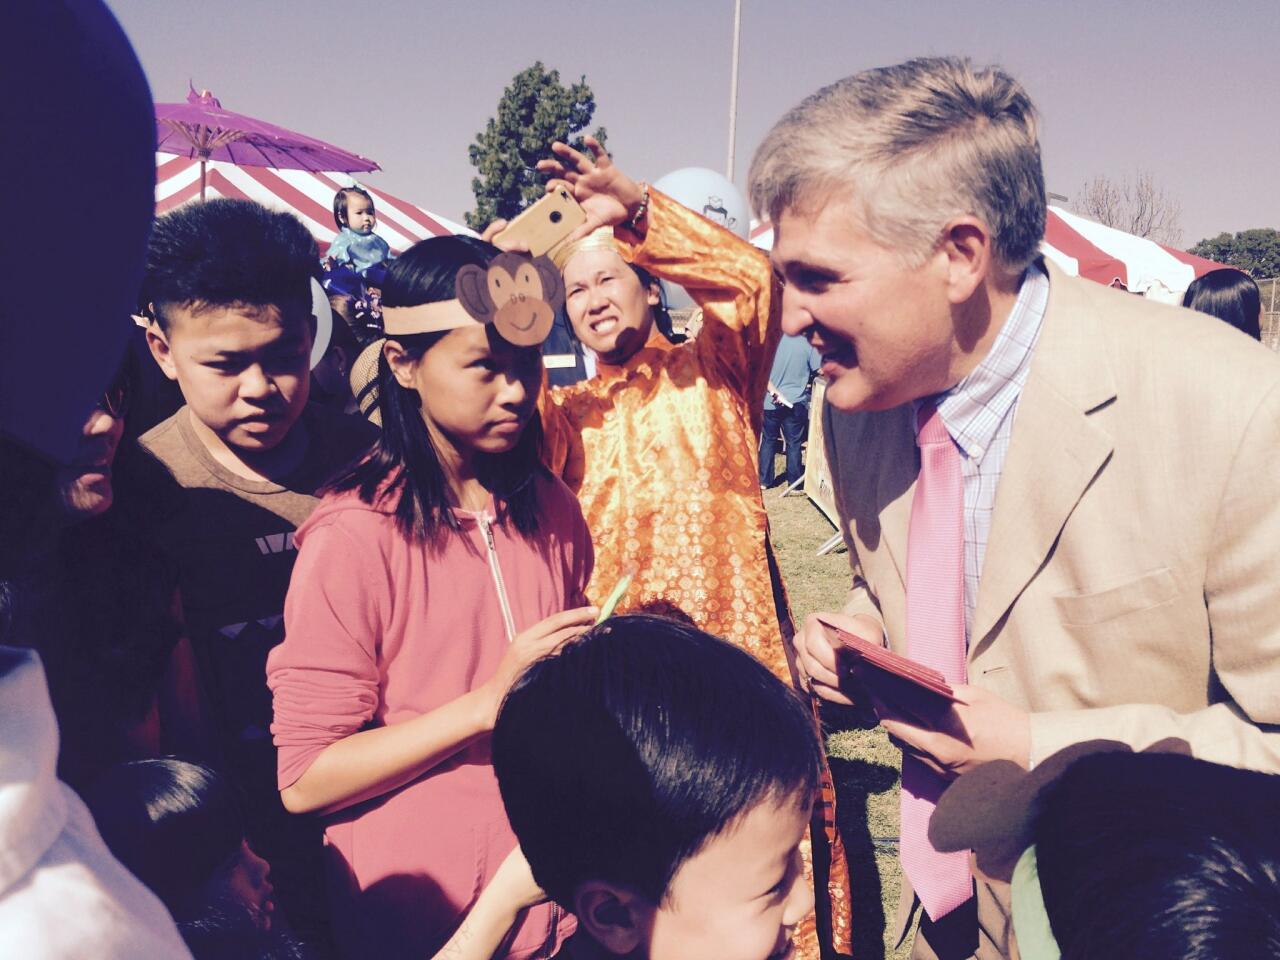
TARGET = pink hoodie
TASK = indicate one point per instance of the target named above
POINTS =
(379, 630)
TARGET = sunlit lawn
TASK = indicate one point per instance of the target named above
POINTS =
(863, 761)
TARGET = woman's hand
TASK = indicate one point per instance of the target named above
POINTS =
(492, 234)
(533, 644)
(608, 195)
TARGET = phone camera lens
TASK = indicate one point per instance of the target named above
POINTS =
(556, 216)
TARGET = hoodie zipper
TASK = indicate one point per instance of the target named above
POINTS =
(486, 525)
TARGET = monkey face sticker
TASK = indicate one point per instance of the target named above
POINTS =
(519, 295)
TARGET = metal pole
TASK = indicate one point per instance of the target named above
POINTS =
(202, 179)
(733, 87)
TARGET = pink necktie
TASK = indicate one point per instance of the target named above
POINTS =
(935, 638)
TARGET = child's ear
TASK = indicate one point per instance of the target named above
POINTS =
(617, 918)
(158, 344)
(655, 294)
(400, 363)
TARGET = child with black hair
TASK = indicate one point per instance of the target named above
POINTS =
(223, 483)
(356, 245)
(660, 781)
(180, 829)
(1151, 855)
(435, 570)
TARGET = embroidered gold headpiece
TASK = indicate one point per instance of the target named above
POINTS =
(601, 239)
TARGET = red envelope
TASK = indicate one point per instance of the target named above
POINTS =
(886, 661)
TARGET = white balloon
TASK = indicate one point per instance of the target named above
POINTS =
(323, 313)
(710, 194)
(716, 198)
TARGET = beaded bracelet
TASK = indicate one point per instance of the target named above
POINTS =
(638, 216)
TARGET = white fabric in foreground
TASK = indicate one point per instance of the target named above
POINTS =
(63, 896)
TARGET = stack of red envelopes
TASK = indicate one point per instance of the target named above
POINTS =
(883, 659)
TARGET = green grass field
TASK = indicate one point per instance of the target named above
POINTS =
(864, 763)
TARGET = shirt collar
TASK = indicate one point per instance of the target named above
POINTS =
(975, 407)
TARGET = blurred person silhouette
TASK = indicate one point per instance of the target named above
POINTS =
(62, 894)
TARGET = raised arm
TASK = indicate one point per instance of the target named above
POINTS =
(730, 280)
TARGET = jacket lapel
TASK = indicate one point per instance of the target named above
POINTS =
(1059, 445)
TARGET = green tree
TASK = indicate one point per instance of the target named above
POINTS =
(535, 110)
(1256, 252)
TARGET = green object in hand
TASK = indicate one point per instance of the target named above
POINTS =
(614, 598)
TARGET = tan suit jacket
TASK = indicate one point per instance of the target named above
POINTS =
(1131, 586)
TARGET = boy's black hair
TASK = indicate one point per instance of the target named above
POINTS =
(404, 463)
(340, 204)
(620, 756)
(1160, 855)
(1230, 295)
(229, 251)
(172, 823)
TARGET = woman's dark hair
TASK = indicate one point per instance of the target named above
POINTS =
(622, 754)
(340, 203)
(404, 463)
(172, 823)
(661, 313)
(1229, 295)
(1160, 855)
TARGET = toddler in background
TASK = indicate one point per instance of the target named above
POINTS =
(356, 245)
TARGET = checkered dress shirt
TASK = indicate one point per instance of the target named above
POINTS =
(978, 413)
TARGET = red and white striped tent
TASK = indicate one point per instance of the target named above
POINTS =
(1082, 247)
(307, 195)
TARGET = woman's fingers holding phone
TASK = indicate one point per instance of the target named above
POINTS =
(607, 195)
(491, 235)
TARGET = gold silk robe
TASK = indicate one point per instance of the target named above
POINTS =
(662, 450)
(662, 453)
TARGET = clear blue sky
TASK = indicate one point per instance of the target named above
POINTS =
(1187, 91)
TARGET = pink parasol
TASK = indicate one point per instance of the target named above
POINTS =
(201, 130)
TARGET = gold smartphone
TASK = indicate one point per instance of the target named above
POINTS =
(546, 224)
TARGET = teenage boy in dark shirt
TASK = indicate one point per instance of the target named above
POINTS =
(224, 483)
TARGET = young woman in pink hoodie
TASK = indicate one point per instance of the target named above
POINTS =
(432, 574)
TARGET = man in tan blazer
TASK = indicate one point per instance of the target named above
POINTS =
(1121, 458)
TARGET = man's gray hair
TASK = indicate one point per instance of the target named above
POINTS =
(913, 146)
